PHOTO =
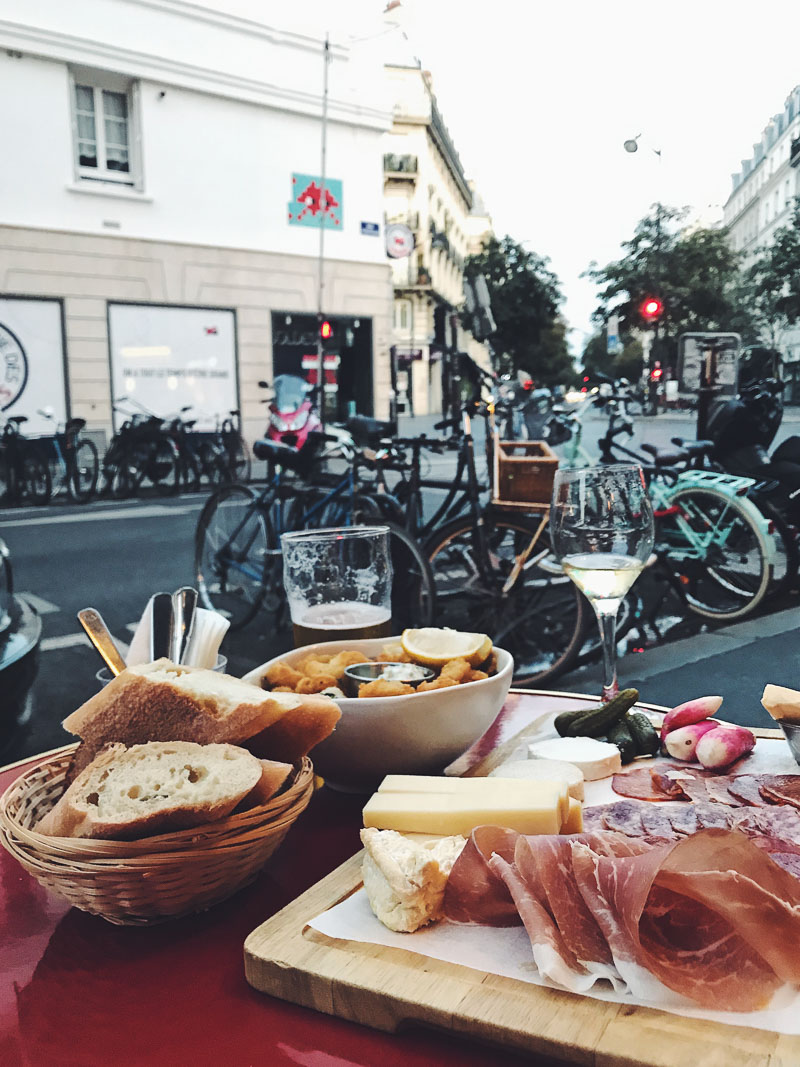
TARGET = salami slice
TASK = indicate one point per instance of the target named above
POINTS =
(625, 817)
(746, 788)
(710, 816)
(718, 790)
(638, 784)
(656, 823)
(683, 818)
(790, 862)
(785, 788)
(778, 821)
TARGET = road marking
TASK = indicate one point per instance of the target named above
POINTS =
(50, 644)
(39, 604)
(149, 511)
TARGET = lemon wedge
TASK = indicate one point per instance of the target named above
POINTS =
(434, 647)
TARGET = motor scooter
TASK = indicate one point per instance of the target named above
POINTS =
(291, 412)
(743, 427)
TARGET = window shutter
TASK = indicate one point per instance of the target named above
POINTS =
(74, 124)
(135, 136)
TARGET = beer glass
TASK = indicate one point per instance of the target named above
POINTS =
(338, 582)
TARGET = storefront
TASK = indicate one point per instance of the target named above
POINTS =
(32, 362)
(347, 358)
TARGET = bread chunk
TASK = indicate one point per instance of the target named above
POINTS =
(153, 788)
(161, 701)
(405, 880)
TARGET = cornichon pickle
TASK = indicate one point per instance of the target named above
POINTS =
(599, 720)
(647, 738)
(621, 736)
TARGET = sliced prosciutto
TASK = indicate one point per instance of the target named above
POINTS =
(476, 893)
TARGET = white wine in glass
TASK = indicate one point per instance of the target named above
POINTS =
(601, 525)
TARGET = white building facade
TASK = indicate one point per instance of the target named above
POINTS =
(763, 200)
(425, 190)
(159, 211)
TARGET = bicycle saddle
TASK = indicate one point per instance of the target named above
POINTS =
(280, 454)
(190, 423)
(694, 448)
(370, 431)
(18, 419)
(664, 457)
(73, 425)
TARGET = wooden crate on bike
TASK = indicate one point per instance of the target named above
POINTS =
(523, 472)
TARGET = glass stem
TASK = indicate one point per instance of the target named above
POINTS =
(607, 621)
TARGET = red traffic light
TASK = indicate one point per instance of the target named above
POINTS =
(656, 373)
(325, 330)
(651, 308)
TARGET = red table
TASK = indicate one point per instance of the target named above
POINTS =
(76, 990)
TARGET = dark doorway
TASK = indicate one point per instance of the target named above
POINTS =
(347, 358)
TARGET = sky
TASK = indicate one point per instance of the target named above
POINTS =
(539, 98)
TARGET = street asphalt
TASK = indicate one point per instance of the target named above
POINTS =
(113, 555)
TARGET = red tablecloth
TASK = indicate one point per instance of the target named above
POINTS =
(76, 990)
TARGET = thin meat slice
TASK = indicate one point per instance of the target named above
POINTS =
(718, 790)
(778, 821)
(552, 956)
(656, 821)
(547, 860)
(689, 917)
(668, 785)
(783, 788)
(790, 861)
(683, 818)
(746, 788)
(713, 816)
(475, 893)
(624, 817)
(593, 817)
(638, 784)
(695, 790)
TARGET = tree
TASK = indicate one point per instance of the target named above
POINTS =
(772, 283)
(525, 298)
(627, 364)
(694, 272)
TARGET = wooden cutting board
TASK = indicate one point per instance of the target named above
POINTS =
(389, 988)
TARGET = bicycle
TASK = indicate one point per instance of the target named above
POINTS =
(140, 451)
(713, 544)
(237, 540)
(24, 473)
(73, 460)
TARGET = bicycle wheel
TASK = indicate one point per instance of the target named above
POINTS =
(235, 554)
(786, 552)
(213, 463)
(540, 619)
(82, 479)
(162, 465)
(36, 484)
(238, 460)
(719, 554)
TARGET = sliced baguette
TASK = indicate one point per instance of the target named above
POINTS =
(296, 732)
(155, 788)
(163, 702)
(273, 775)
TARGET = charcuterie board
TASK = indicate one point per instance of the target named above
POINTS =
(390, 988)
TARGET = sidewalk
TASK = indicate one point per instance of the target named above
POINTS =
(736, 662)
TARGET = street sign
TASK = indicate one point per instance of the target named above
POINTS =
(613, 343)
(718, 353)
(370, 229)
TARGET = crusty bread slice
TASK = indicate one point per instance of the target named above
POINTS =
(296, 732)
(273, 775)
(153, 788)
(163, 702)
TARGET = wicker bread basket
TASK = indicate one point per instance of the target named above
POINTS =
(139, 883)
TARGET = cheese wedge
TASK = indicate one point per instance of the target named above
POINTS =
(596, 759)
(430, 785)
(574, 821)
(544, 770)
(529, 808)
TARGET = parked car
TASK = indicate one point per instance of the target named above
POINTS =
(20, 637)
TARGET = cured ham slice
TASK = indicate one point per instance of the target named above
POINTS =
(638, 784)
(777, 821)
(783, 788)
(711, 917)
(718, 790)
(475, 893)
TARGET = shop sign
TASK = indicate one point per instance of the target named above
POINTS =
(32, 362)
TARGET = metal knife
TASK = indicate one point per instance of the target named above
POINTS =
(184, 605)
(100, 636)
(161, 626)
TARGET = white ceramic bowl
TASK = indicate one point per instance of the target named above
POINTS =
(416, 734)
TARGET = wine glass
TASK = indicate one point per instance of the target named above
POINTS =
(601, 525)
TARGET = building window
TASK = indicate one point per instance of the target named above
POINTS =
(104, 127)
(402, 314)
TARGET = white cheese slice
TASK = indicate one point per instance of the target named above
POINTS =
(540, 770)
(596, 759)
(431, 785)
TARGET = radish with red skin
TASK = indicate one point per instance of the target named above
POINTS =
(682, 743)
(724, 745)
(692, 711)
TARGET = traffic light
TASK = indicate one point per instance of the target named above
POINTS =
(656, 373)
(325, 330)
(651, 309)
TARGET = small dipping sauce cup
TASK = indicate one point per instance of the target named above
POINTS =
(359, 673)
